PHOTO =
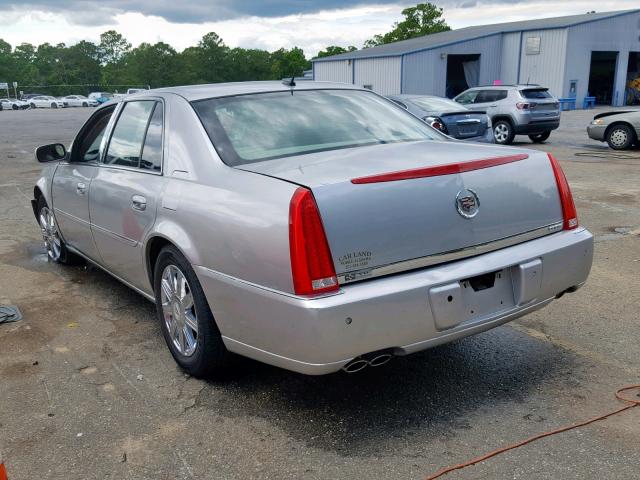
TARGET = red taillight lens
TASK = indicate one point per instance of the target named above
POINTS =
(569, 214)
(522, 106)
(311, 263)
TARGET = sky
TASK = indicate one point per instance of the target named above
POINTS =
(267, 24)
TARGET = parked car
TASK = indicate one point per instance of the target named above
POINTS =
(448, 116)
(131, 91)
(45, 101)
(515, 110)
(620, 129)
(9, 104)
(315, 227)
(101, 97)
(25, 97)
(79, 101)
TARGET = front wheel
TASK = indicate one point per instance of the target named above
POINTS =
(32, 105)
(187, 323)
(56, 249)
(53, 105)
(85, 104)
(14, 106)
(539, 137)
(503, 132)
(620, 137)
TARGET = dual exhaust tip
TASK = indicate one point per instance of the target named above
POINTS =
(374, 359)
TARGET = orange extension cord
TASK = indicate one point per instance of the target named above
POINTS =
(630, 403)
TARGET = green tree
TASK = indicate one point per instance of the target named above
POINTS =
(112, 47)
(334, 50)
(423, 19)
(152, 65)
(288, 63)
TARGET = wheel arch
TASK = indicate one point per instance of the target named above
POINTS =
(501, 116)
(156, 242)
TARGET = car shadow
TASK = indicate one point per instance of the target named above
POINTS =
(431, 394)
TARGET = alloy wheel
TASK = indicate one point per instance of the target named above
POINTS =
(501, 133)
(179, 311)
(50, 235)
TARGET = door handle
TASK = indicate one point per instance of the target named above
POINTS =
(81, 188)
(138, 202)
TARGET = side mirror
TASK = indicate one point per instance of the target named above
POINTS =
(51, 153)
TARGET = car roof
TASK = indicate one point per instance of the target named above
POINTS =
(214, 90)
(506, 87)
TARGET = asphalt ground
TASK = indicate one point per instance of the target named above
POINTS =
(88, 389)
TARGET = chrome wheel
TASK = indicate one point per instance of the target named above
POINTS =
(179, 312)
(619, 137)
(50, 235)
(501, 133)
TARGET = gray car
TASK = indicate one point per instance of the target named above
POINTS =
(515, 110)
(448, 116)
(315, 227)
(621, 129)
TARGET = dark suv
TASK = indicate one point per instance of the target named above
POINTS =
(515, 110)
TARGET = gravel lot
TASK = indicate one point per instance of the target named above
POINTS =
(88, 390)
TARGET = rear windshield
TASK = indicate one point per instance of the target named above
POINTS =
(536, 93)
(432, 104)
(257, 127)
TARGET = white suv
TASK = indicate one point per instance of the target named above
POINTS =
(515, 110)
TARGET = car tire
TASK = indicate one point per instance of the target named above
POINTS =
(14, 107)
(540, 137)
(503, 132)
(32, 105)
(187, 323)
(55, 247)
(53, 105)
(85, 104)
(620, 137)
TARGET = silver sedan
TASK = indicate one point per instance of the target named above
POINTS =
(316, 227)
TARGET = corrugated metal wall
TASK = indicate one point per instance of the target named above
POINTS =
(510, 58)
(333, 71)
(426, 72)
(546, 68)
(382, 74)
(620, 34)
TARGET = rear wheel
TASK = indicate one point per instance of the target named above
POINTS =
(186, 320)
(620, 137)
(56, 249)
(85, 104)
(503, 132)
(32, 105)
(14, 106)
(539, 137)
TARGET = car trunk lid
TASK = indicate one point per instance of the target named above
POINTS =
(374, 225)
(464, 124)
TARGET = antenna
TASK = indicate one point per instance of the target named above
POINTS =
(290, 83)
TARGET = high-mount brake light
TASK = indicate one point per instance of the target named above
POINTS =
(311, 262)
(569, 214)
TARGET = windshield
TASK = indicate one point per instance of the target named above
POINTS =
(252, 128)
(433, 104)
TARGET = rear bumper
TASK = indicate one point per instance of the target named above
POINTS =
(537, 127)
(399, 312)
(596, 132)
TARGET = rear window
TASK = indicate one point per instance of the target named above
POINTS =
(433, 104)
(536, 93)
(257, 127)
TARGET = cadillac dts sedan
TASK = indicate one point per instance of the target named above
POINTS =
(317, 227)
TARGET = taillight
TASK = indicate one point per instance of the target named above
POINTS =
(569, 214)
(525, 105)
(311, 262)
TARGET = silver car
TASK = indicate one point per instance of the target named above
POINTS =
(315, 227)
(515, 110)
(620, 129)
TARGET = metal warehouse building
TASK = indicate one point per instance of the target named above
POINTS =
(596, 54)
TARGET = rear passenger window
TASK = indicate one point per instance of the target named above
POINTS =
(125, 145)
(152, 150)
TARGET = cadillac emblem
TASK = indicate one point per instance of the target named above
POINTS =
(467, 203)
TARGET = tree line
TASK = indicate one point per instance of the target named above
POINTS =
(113, 64)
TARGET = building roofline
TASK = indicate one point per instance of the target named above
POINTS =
(350, 56)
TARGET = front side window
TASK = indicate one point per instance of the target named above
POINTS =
(467, 98)
(125, 146)
(257, 127)
(86, 147)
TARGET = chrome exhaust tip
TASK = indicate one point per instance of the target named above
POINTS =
(380, 360)
(356, 365)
